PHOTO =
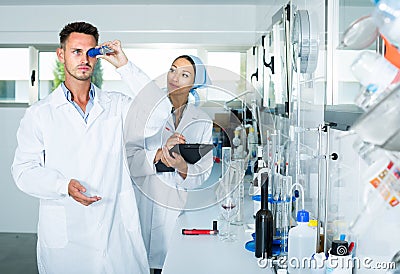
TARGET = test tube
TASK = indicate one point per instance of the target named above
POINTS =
(286, 213)
(239, 189)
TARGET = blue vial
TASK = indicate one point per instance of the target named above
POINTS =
(93, 52)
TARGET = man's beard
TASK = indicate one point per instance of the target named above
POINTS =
(82, 77)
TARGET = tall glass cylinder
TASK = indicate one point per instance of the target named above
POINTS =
(226, 162)
(238, 166)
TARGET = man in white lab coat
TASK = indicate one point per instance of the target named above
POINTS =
(71, 155)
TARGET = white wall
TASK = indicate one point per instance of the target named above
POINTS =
(18, 211)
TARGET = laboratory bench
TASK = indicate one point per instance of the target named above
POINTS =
(199, 254)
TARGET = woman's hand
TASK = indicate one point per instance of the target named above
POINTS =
(173, 140)
(176, 161)
(116, 58)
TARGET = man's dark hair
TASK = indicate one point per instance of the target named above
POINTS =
(80, 27)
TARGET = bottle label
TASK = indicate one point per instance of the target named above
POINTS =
(397, 78)
(387, 183)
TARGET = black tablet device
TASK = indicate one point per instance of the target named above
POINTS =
(192, 152)
(161, 167)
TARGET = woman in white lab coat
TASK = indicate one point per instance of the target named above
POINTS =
(161, 196)
(75, 164)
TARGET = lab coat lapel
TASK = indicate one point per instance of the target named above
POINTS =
(170, 123)
(101, 103)
(189, 116)
(60, 102)
(58, 97)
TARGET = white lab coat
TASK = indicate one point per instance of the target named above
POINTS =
(56, 145)
(162, 196)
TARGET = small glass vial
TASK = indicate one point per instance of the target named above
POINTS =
(93, 52)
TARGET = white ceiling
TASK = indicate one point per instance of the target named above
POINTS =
(136, 2)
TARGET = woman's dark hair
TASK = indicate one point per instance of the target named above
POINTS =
(187, 57)
(80, 27)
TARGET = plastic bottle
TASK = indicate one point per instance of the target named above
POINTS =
(236, 140)
(339, 260)
(239, 143)
(387, 17)
(302, 243)
(371, 68)
(383, 192)
(375, 73)
(313, 224)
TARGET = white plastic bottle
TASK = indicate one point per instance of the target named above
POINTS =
(372, 68)
(387, 17)
(375, 73)
(302, 245)
(383, 192)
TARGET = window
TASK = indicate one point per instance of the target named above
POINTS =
(14, 75)
(47, 65)
(226, 69)
(154, 62)
(228, 75)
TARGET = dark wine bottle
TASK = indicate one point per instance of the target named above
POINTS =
(264, 225)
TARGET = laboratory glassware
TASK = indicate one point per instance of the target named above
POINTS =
(360, 34)
(380, 125)
(282, 222)
(238, 169)
(237, 145)
(226, 162)
(216, 153)
(254, 188)
(226, 159)
(252, 144)
(396, 261)
(229, 208)
(93, 52)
